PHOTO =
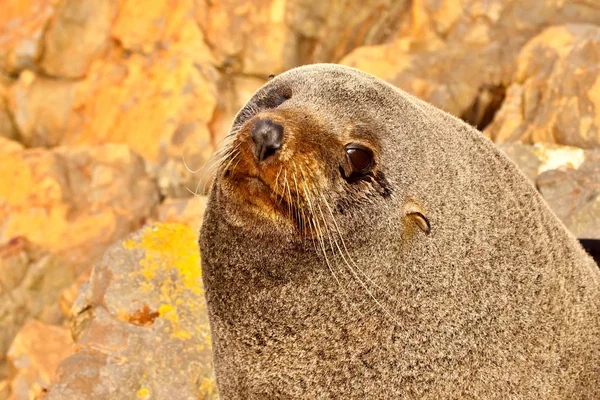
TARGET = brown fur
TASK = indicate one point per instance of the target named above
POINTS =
(498, 301)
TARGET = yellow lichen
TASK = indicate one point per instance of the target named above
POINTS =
(143, 393)
(171, 265)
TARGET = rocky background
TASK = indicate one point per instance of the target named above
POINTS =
(109, 109)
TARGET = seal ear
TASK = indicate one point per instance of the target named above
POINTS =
(415, 213)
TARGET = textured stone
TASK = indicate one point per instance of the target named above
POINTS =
(74, 201)
(9, 146)
(8, 129)
(317, 37)
(40, 108)
(262, 38)
(460, 54)
(162, 25)
(574, 195)
(22, 26)
(141, 323)
(556, 95)
(569, 180)
(159, 105)
(33, 357)
(188, 211)
(31, 281)
(78, 33)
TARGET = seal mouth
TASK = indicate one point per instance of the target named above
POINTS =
(281, 202)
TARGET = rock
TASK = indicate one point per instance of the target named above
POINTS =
(68, 295)
(10, 146)
(141, 324)
(89, 21)
(188, 212)
(22, 26)
(242, 33)
(8, 130)
(574, 195)
(160, 105)
(4, 389)
(556, 95)
(75, 201)
(31, 281)
(568, 178)
(33, 361)
(461, 54)
(40, 108)
(162, 25)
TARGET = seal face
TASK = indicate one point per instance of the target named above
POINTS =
(360, 243)
(288, 167)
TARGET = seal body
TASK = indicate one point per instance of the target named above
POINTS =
(360, 243)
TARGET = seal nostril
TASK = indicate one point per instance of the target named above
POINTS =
(267, 137)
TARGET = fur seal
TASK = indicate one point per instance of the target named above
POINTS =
(360, 243)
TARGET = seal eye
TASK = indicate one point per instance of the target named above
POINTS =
(360, 158)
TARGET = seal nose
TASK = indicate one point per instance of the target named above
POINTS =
(267, 137)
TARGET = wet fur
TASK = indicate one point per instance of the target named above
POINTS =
(499, 300)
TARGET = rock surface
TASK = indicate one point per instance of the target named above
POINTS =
(568, 178)
(31, 281)
(460, 55)
(22, 26)
(34, 356)
(74, 201)
(141, 324)
(556, 93)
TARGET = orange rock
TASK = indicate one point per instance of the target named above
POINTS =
(454, 53)
(34, 356)
(161, 25)
(78, 34)
(22, 25)
(7, 126)
(268, 37)
(40, 108)
(67, 296)
(74, 201)
(188, 212)
(159, 105)
(556, 96)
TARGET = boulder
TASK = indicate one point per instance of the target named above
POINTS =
(159, 105)
(74, 201)
(141, 324)
(39, 108)
(22, 27)
(89, 21)
(460, 55)
(556, 93)
(31, 281)
(568, 178)
(34, 356)
(8, 129)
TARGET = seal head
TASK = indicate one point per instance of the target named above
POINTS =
(361, 243)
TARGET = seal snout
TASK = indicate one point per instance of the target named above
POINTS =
(267, 137)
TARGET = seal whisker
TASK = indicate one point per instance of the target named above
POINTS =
(320, 238)
(289, 193)
(220, 163)
(277, 180)
(218, 158)
(369, 279)
(299, 208)
(358, 279)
